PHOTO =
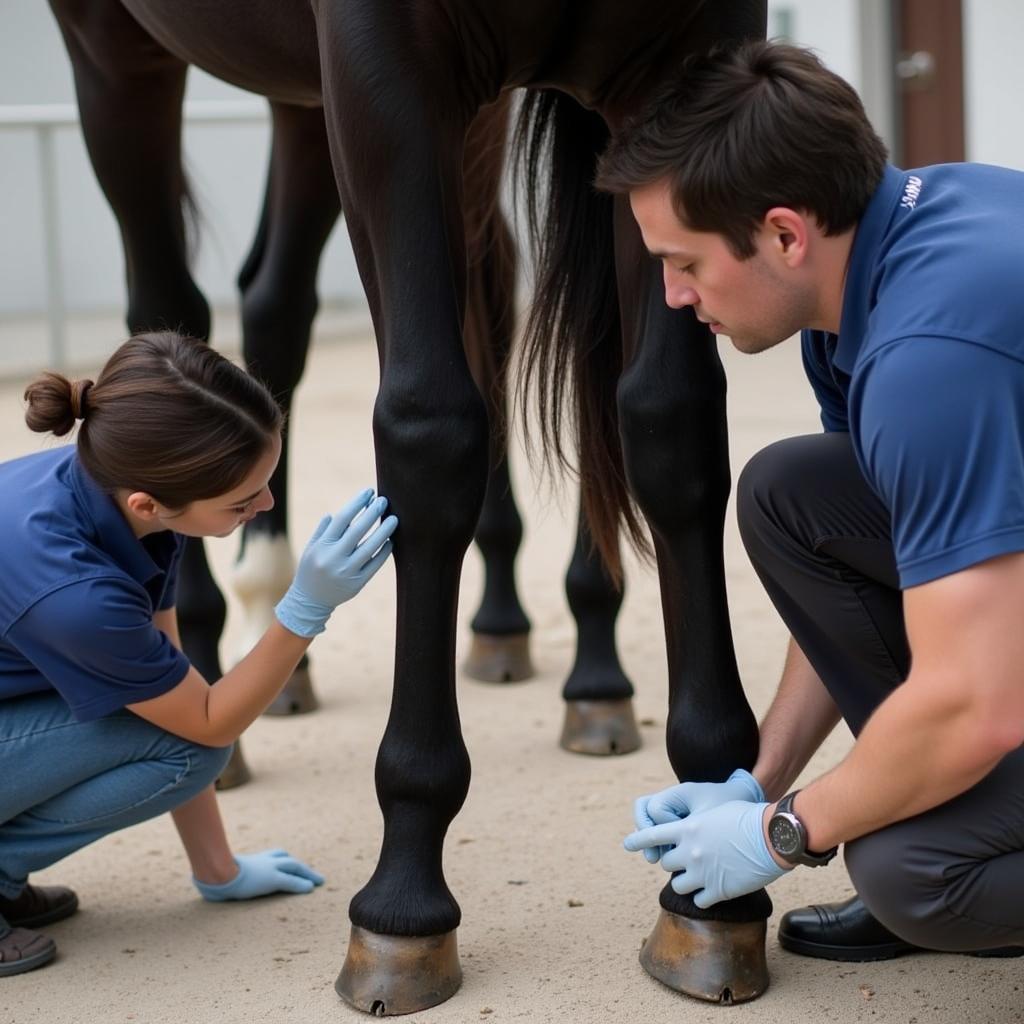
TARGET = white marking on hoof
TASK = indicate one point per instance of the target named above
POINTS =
(259, 578)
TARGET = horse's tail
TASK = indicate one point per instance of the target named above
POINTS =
(572, 352)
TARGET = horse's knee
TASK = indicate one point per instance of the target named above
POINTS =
(433, 451)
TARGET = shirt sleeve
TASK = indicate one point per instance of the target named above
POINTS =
(831, 400)
(938, 427)
(95, 642)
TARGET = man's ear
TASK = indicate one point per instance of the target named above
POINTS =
(788, 234)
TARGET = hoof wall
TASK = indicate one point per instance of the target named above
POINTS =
(601, 727)
(386, 975)
(236, 771)
(297, 697)
(720, 962)
(499, 659)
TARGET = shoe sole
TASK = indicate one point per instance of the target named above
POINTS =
(29, 963)
(55, 913)
(848, 954)
(887, 951)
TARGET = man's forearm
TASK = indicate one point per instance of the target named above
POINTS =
(923, 746)
(800, 718)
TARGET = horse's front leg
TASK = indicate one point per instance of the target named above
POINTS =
(672, 411)
(397, 149)
(279, 302)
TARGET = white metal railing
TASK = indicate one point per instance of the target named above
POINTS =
(45, 120)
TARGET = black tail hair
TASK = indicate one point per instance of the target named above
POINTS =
(572, 354)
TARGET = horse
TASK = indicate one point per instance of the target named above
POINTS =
(395, 95)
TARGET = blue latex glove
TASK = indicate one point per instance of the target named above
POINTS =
(692, 798)
(260, 874)
(721, 853)
(336, 564)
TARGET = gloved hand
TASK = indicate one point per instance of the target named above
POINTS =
(692, 798)
(722, 853)
(260, 874)
(336, 564)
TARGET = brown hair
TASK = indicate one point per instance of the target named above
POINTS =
(740, 131)
(167, 415)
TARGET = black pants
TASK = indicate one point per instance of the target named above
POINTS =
(953, 877)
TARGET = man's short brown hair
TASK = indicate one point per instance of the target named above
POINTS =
(740, 131)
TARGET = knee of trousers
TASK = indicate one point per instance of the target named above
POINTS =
(203, 766)
(766, 480)
(905, 884)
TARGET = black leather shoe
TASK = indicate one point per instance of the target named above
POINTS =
(839, 931)
(847, 931)
(38, 905)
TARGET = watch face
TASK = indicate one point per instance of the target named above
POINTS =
(784, 835)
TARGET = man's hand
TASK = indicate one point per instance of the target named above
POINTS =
(692, 798)
(719, 854)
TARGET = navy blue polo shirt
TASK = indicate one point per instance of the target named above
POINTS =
(927, 371)
(78, 590)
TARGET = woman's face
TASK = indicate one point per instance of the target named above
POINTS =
(220, 516)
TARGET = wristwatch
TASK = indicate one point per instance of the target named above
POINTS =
(788, 836)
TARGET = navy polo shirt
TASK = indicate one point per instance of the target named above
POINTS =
(78, 590)
(927, 371)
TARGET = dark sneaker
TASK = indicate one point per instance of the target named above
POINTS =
(38, 905)
(22, 950)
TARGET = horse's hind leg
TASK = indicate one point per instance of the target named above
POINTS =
(598, 695)
(129, 92)
(500, 650)
(279, 302)
(599, 714)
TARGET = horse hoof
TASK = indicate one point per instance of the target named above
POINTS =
(392, 974)
(499, 659)
(297, 697)
(721, 962)
(236, 771)
(600, 727)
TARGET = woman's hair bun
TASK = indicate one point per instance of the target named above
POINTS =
(54, 403)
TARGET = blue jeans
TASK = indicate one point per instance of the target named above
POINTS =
(65, 784)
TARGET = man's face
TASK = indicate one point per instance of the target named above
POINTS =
(753, 301)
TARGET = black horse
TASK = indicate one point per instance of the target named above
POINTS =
(393, 105)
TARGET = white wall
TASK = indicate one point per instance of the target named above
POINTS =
(994, 81)
(226, 164)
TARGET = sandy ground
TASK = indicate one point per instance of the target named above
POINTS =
(540, 828)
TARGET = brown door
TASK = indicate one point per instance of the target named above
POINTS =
(929, 82)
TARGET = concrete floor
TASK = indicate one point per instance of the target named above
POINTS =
(553, 910)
